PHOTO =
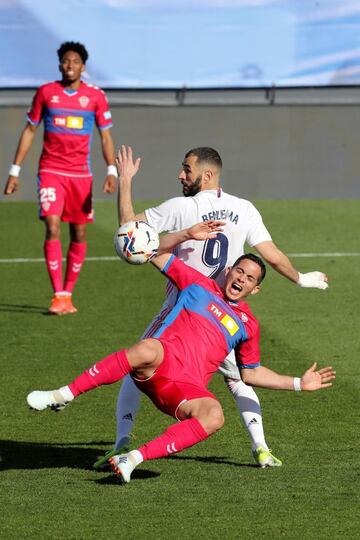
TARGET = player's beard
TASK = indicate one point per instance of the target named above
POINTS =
(192, 189)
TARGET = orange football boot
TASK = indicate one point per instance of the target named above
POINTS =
(70, 308)
(58, 305)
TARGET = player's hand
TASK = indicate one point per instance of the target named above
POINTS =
(12, 185)
(206, 230)
(110, 184)
(314, 380)
(317, 280)
(125, 164)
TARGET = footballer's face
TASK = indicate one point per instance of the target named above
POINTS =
(242, 280)
(71, 67)
(191, 176)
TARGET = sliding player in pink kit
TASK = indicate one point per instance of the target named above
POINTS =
(69, 109)
(200, 177)
(174, 366)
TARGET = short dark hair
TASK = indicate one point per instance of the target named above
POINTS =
(73, 46)
(254, 258)
(205, 154)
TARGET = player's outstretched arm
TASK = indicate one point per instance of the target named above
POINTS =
(267, 378)
(127, 168)
(201, 231)
(108, 151)
(282, 264)
(24, 145)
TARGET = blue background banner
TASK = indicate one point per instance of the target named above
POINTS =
(184, 43)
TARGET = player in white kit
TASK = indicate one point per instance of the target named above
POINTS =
(204, 200)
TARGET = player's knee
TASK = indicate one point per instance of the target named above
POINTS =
(78, 236)
(52, 231)
(214, 419)
(145, 354)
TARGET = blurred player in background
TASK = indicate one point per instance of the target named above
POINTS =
(204, 200)
(69, 108)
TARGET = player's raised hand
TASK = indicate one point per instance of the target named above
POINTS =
(125, 164)
(315, 380)
(12, 185)
(206, 229)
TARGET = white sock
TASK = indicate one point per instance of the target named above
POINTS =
(63, 395)
(137, 456)
(250, 411)
(126, 408)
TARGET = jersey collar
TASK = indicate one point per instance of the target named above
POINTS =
(217, 192)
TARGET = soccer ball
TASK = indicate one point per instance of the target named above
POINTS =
(136, 242)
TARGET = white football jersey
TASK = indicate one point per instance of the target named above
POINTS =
(244, 224)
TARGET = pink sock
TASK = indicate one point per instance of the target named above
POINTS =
(75, 259)
(107, 371)
(53, 259)
(174, 439)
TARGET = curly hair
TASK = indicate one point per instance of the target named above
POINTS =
(73, 46)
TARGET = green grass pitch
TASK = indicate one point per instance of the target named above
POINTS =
(48, 488)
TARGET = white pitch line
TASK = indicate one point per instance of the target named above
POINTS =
(100, 259)
(15, 261)
(345, 254)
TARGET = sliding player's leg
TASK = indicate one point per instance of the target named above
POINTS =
(142, 358)
(200, 418)
(129, 397)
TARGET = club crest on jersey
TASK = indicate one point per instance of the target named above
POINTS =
(227, 321)
(84, 101)
(244, 317)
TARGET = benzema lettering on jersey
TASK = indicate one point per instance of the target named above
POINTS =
(221, 215)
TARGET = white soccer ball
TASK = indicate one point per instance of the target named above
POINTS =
(136, 242)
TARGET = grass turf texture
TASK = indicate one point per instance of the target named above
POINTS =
(213, 490)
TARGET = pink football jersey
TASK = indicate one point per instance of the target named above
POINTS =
(204, 326)
(69, 117)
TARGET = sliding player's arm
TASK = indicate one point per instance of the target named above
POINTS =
(311, 380)
(201, 231)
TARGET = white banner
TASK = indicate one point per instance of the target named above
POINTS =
(184, 43)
